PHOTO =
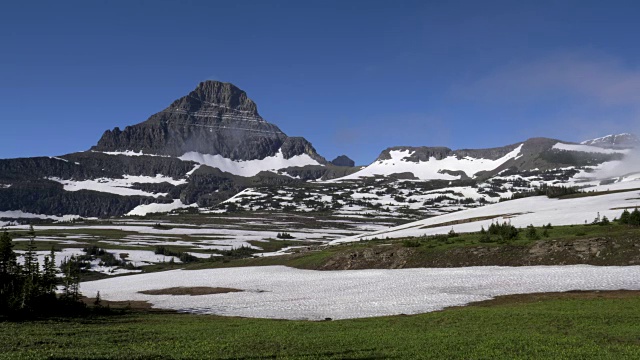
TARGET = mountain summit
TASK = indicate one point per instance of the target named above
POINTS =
(215, 118)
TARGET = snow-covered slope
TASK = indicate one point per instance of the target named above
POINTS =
(617, 141)
(432, 169)
(250, 168)
(587, 148)
(538, 211)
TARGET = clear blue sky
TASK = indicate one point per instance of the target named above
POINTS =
(353, 77)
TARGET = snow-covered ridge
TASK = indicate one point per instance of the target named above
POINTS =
(432, 169)
(249, 168)
(587, 148)
(118, 186)
(605, 138)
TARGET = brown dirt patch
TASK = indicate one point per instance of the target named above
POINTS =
(191, 291)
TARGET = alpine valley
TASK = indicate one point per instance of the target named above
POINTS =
(207, 183)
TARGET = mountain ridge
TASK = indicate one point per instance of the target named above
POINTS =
(212, 143)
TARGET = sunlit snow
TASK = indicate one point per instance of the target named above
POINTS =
(249, 167)
(537, 210)
(285, 293)
(432, 169)
(142, 210)
(587, 148)
(118, 186)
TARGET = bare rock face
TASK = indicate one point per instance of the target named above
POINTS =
(216, 118)
(343, 160)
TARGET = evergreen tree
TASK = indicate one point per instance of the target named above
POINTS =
(532, 234)
(624, 217)
(49, 273)
(7, 256)
(634, 218)
(71, 279)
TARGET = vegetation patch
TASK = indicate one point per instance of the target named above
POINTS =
(541, 326)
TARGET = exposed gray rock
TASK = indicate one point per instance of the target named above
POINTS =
(216, 118)
(343, 160)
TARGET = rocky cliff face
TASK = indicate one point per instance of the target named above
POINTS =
(216, 119)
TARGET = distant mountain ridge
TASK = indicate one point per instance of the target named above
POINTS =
(443, 163)
(619, 141)
(212, 143)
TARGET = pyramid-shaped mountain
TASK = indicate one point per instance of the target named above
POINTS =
(215, 119)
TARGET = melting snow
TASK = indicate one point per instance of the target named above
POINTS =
(587, 148)
(129, 153)
(285, 293)
(118, 186)
(249, 167)
(16, 214)
(538, 210)
(431, 170)
(142, 210)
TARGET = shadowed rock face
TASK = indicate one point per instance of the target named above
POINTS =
(216, 118)
(343, 160)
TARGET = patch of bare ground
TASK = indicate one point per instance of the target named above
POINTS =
(537, 297)
(191, 291)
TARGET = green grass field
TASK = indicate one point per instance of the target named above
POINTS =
(546, 326)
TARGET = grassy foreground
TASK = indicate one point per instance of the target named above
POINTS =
(546, 326)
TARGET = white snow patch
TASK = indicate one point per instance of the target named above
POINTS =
(587, 148)
(249, 167)
(17, 214)
(118, 186)
(129, 153)
(431, 169)
(285, 293)
(142, 210)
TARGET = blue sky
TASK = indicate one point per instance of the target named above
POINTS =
(353, 77)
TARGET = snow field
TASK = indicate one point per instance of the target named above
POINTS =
(538, 210)
(285, 293)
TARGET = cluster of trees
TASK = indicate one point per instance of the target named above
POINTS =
(630, 218)
(29, 288)
(184, 256)
(284, 235)
(505, 232)
(549, 190)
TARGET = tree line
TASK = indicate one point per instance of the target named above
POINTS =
(29, 288)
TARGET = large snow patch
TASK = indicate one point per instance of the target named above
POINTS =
(285, 293)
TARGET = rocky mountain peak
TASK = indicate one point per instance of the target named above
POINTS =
(216, 118)
(224, 96)
(343, 160)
